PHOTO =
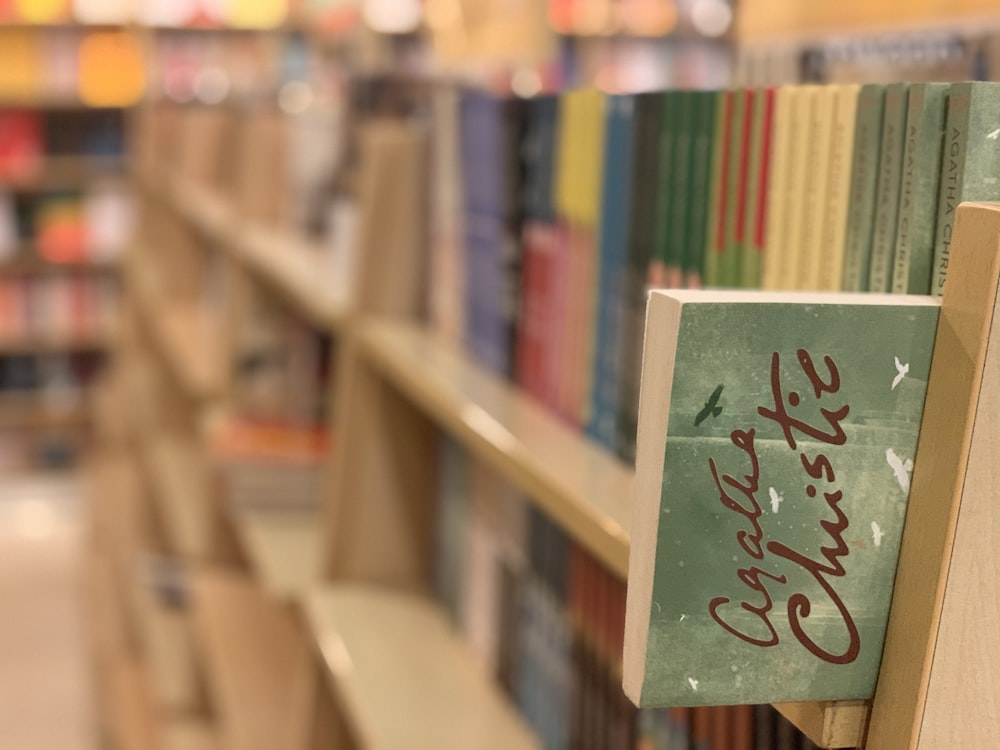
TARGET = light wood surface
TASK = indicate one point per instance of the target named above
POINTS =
(134, 723)
(253, 656)
(181, 483)
(283, 547)
(586, 489)
(404, 679)
(939, 476)
(188, 734)
(190, 342)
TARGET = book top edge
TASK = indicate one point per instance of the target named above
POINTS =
(746, 296)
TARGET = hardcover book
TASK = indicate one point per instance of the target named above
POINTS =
(776, 440)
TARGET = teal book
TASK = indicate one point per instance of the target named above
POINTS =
(681, 203)
(735, 194)
(703, 136)
(970, 164)
(911, 273)
(864, 176)
(890, 179)
(659, 262)
(775, 447)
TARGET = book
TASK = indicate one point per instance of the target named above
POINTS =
(864, 178)
(890, 174)
(918, 194)
(800, 120)
(772, 475)
(730, 264)
(776, 200)
(753, 223)
(816, 189)
(970, 164)
(834, 232)
(718, 188)
(701, 160)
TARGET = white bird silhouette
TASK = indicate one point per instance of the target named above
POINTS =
(776, 499)
(694, 683)
(994, 135)
(900, 467)
(877, 534)
(901, 370)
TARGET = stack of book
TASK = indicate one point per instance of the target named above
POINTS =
(66, 308)
(546, 619)
(576, 204)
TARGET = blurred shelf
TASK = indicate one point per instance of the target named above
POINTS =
(190, 342)
(67, 173)
(188, 734)
(403, 677)
(26, 262)
(50, 344)
(29, 411)
(181, 488)
(253, 655)
(581, 485)
(132, 716)
(283, 547)
(50, 101)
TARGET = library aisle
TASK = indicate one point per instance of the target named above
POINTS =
(45, 695)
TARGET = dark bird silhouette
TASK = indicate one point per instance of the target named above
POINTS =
(712, 408)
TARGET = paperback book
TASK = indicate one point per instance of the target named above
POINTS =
(776, 440)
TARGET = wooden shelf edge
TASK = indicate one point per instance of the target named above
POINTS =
(829, 724)
(283, 548)
(435, 696)
(434, 376)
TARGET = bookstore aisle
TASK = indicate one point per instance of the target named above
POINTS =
(45, 695)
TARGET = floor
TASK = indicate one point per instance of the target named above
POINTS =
(45, 691)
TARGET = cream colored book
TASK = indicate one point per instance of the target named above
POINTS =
(799, 174)
(815, 187)
(777, 195)
(835, 208)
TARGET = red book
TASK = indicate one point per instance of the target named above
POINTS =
(21, 145)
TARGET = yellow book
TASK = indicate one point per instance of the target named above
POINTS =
(777, 193)
(839, 187)
(22, 65)
(799, 170)
(815, 187)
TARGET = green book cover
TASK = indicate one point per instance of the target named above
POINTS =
(664, 195)
(715, 223)
(775, 446)
(890, 174)
(739, 137)
(681, 190)
(703, 135)
(864, 175)
(918, 195)
(751, 221)
(970, 163)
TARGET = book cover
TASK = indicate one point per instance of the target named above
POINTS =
(890, 177)
(970, 164)
(911, 273)
(864, 177)
(772, 476)
(834, 215)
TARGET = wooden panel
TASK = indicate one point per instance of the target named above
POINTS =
(759, 20)
(939, 475)
(404, 679)
(963, 697)
(132, 714)
(283, 548)
(189, 734)
(253, 656)
(585, 488)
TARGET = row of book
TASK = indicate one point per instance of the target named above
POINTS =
(28, 137)
(552, 217)
(68, 227)
(195, 13)
(62, 308)
(69, 372)
(546, 619)
(97, 68)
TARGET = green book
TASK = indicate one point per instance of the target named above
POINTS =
(703, 136)
(664, 195)
(918, 195)
(715, 224)
(739, 132)
(864, 176)
(681, 191)
(890, 178)
(970, 163)
(755, 189)
(776, 438)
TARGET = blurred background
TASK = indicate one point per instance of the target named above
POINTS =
(199, 199)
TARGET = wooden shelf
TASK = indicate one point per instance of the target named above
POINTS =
(181, 481)
(404, 679)
(49, 344)
(131, 713)
(27, 263)
(189, 342)
(253, 657)
(48, 101)
(68, 173)
(188, 734)
(283, 547)
(583, 487)
(28, 412)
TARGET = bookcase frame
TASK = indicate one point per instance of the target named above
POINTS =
(395, 385)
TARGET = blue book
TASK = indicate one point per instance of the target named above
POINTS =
(614, 235)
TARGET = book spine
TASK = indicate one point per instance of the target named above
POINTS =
(925, 122)
(970, 163)
(680, 191)
(659, 262)
(716, 224)
(839, 181)
(752, 223)
(800, 120)
(888, 192)
(774, 219)
(701, 155)
(732, 210)
(816, 189)
(864, 176)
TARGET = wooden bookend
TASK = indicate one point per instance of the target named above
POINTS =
(937, 684)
